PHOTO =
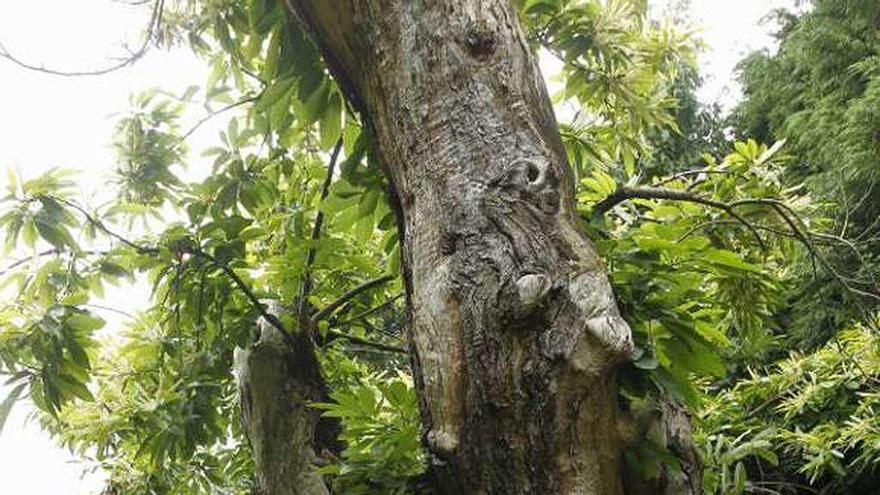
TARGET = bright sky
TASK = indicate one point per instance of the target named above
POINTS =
(48, 121)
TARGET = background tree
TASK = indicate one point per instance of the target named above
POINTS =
(820, 93)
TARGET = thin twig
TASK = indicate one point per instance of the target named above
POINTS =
(799, 229)
(687, 173)
(48, 252)
(306, 287)
(367, 343)
(155, 21)
(16, 264)
(248, 293)
(368, 312)
(214, 113)
(333, 306)
(100, 225)
(110, 309)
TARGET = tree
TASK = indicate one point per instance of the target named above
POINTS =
(452, 169)
(820, 93)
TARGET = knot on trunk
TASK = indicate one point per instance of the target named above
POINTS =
(591, 293)
(442, 441)
(531, 289)
(531, 181)
(588, 331)
(481, 40)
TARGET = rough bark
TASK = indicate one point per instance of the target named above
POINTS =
(512, 323)
(277, 381)
(665, 424)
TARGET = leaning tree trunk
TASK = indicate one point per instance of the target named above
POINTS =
(513, 326)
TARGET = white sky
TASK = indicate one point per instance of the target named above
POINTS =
(48, 121)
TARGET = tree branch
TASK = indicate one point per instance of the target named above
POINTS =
(100, 225)
(18, 263)
(242, 286)
(48, 252)
(214, 113)
(798, 229)
(626, 193)
(306, 287)
(368, 312)
(152, 26)
(248, 293)
(687, 173)
(333, 306)
(110, 309)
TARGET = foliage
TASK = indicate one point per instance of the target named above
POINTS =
(381, 430)
(691, 277)
(156, 403)
(816, 413)
(820, 92)
(618, 70)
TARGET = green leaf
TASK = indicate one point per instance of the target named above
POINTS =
(71, 387)
(729, 259)
(8, 402)
(331, 122)
(316, 104)
(263, 14)
(368, 202)
(275, 93)
(29, 234)
(55, 235)
(84, 322)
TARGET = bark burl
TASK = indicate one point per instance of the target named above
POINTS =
(513, 327)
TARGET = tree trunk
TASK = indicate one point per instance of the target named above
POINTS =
(277, 381)
(513, 326)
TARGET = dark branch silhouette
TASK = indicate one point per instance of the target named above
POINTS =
(149, 35)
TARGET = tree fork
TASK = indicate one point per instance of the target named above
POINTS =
(513, 325)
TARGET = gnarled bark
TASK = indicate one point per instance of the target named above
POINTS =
(512, 322)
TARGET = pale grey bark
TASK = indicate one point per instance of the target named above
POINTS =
(276, 385)
(513, 326)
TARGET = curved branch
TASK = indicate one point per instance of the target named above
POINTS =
(366, 343)
(152, 26)
(100, 226)
(248, 293)
(333, 306)
(48, 252)
(18, 263)
(799, 230)
(626, 193)
(214, 113)
(687, 173)
(368, 312)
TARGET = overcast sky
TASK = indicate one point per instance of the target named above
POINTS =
(48, 121)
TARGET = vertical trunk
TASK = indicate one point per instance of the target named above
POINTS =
(277, 381)
(513, 325)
